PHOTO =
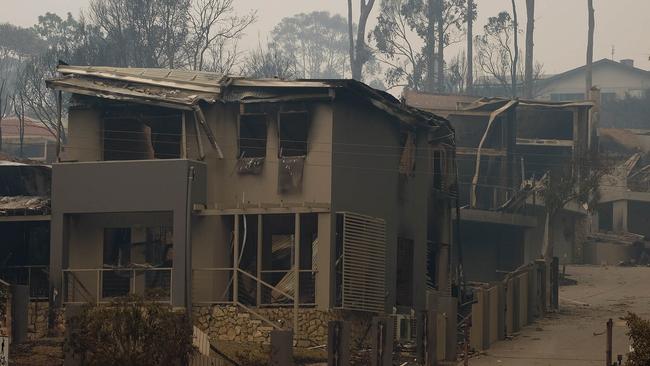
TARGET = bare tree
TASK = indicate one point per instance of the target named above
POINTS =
(577, 180)
(515, 59)
(393, 38)
(142, 33)
(269, 62)
(457, 73)
(590, 48)
(18, 102)
(5, 90)
(213, 25)
(530, 45)
(495, 51)
(35, 98)
(469, 85)
(359, 51)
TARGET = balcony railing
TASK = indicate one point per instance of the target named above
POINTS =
(274, 288)
(101, 285)
(36, 277)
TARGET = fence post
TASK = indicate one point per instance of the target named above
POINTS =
(430, 338)
(338, 343)
(382, 342)
(609, 342)
(19, 309)
(555, 283)
(281, 348)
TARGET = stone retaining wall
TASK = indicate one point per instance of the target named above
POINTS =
(230, 323)
(37, 316)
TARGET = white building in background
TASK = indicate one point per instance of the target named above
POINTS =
(614, 79)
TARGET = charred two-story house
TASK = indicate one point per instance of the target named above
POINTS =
(506, 152)
(281, 201)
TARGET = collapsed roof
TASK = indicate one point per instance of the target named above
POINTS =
(24, 189)
(187, 90)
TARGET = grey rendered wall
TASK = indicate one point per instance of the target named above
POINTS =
(227, 188)
(488, 248)
(365, 180)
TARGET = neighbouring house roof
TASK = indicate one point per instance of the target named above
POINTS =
(625, 141)
(187, 89)
(598, 64)
(33, 128)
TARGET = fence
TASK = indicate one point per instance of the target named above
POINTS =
(503, 308)
(99, 285)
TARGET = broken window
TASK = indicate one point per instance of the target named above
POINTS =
(252, 143)
(142, 137)
(147, 249)
(294, 130)
(544, 124)
(469, 131)
(117, 254)
(404, 275)
(252, 135)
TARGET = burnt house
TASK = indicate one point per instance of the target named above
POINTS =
(25, 234)
(625, 190)
(506, 150)
(292, 201)
(25, 225)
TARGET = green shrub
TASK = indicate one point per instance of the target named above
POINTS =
(639, 333)
(130, 331)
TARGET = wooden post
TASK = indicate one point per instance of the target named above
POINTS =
(281, 348)
(59, 124)
(296, 271)
(382, 342)
(609, 343)
(338, 343)
(260, 240)
(235, 262)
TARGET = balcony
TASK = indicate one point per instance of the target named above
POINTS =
(127, 186)
(91, 200)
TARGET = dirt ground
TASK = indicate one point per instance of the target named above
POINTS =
(575, 336)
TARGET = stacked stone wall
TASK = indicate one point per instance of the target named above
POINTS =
(230, 323)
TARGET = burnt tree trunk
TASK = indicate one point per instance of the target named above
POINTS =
(441, 45)
(515, 56)
(590, 48)
(470, 47)
(430, 83)
(359, 53)
(530, 45)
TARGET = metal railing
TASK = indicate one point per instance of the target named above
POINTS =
(36, 277)
(101, 285)
(272, 288)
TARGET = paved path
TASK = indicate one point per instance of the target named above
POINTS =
(567, 337)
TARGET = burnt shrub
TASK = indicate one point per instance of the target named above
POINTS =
(639, 333)
(130, 331)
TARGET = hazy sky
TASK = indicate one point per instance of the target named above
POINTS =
(560, 35)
